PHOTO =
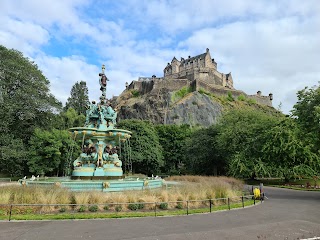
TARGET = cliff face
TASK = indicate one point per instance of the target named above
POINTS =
(193, 108)
(164, 106)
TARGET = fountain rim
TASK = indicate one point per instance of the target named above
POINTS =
(99, 130)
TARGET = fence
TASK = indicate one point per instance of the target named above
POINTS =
(5, 179)
(114, 210)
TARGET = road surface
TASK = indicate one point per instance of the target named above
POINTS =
(286, 214)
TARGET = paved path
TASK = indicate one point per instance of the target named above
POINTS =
(286, 214)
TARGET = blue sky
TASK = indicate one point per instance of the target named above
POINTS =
(272, 46)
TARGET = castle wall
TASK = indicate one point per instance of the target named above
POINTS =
(221, 91)
(263, 100)
(170, 85)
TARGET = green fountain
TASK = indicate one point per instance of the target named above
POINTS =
(98, 167)
(99, 159)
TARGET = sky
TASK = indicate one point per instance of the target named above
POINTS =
(272, 45)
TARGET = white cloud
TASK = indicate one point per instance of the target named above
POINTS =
(267, 45)
(276, 56)
(64, 72)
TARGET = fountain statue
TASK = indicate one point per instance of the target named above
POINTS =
(100, 140)
(99, 167)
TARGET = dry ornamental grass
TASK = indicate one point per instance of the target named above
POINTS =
(192, 188)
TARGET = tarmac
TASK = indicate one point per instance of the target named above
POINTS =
(285, 214)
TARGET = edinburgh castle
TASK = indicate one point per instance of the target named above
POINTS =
(198, 72)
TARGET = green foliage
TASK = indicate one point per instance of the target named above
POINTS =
(70, 118)
(135, 206)
(25, 104)
(106, 207)
(25, 101)
(146, 151)
(179, 205)
(202, 91)
(163, 206)
(63, 209)
(287, 150)
(230, 98)
(177, 95)
(13, 155)
(241, 138)
(118, 208)
(93, 208)
(135, 93)
(49, 152)
(307, 114)
(251, 101)
(82, 209)
(79, 99)
(241, 97)
(172, 139)
(202, 156)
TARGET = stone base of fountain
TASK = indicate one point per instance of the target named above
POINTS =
(119, 185)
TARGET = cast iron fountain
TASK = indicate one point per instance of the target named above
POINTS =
(98, 167)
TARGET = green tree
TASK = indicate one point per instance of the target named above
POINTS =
(202, 154)
(146, 151)
(173, 139)
(13, 155)
(307, 114)
(287, 151)
(242, 134)
(68, 119)
(49, 152)
(25, 100)
(79, 99)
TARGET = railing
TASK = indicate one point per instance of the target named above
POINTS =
(114, 210)
(5, 179)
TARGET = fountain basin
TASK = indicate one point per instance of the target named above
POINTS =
(100, 185)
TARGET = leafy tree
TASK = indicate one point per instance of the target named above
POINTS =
(68, 119)
(287, 151)
(307, 114)
(173, 139)
(146, 151)
(25, 100)
(13, 155)
(49, 152)
(241, 138)
(202, 154)
(79, 99)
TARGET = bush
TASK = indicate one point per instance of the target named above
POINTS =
(93, 208)
(82, 209)
(63, 209)
(163, 206)
(106, 207)
(136, 206)
(135, 93)
(179, 205)
(133, 206)
(230, 97)
(202, 91)
(180, 93)
(251, 101)
(241, 97)
(118, 208)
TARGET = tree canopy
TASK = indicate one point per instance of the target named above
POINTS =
(79, 99)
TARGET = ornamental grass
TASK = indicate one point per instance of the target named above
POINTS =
(190, 188)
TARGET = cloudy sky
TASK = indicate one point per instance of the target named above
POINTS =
(272, 46)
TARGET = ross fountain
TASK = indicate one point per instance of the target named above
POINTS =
(98, 167)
